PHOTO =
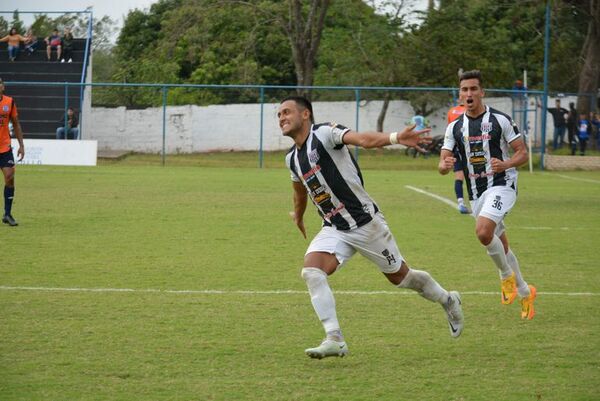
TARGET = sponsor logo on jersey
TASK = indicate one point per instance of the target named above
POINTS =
(311, 172)
(478, 138)
(320, 195)
(477, 160)
(5, 108)
(335, 211)
(483, 174)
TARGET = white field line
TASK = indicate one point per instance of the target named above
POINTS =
(266, 292)
(579, 179)
(447, 201)
(453, 205)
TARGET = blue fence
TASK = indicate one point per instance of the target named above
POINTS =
(526, 106)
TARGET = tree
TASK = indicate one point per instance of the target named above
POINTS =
(3, 27)
(304, 31)
(590, 71)
(17, 23)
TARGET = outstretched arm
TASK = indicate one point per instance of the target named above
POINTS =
(300, 200)
(372, 139)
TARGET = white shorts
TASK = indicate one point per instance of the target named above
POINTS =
(495, 203)
(374, 241)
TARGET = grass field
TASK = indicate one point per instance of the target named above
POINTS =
(131, 281)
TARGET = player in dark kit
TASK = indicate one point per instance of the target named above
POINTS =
(8, 113)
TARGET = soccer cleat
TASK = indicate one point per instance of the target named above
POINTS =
(8, 219)
(453, 308)
(527, 310)
(328, 348)
(508, 290)
(463, 209)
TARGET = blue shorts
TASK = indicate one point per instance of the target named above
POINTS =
(7, 159)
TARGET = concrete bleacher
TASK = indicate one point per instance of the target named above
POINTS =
(40, 106)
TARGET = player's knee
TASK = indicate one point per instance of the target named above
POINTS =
(484, 235)
(397, 277)
(313, 275)
(9, 179)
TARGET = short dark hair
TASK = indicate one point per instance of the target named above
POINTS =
(303, 102)
(473, 74)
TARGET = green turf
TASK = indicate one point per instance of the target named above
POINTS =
(135, 225)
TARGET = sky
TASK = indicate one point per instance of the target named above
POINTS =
(116, 9)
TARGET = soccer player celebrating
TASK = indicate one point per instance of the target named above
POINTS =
(323, 168)
(483, 136)
(454, 113)
(8, 112)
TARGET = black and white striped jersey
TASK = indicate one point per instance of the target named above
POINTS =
(331, 177)
(478, 140)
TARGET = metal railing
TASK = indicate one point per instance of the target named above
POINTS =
(358, 93)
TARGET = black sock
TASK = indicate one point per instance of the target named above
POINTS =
(458, 189)
(9, 193)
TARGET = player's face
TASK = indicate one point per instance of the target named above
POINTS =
(1, 87)
(471, 95)
(291, 118)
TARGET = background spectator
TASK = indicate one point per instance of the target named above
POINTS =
(13, 38)
(596, 124)
(67, 46)
(558, 114)
(572, 127)
(53, 42)
(72, 132)
(31, 42)
(584, 132)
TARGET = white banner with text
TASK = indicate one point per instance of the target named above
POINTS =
(57, 152)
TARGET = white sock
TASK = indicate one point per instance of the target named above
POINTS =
(425, 285)
(496, 251)
(321, 298)
(461, 201)
(522, 286)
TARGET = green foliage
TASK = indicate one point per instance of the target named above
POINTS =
(244, 42)
(17, 23)
(358, 48)
(3, 26)
(501, 38)
(202, 42)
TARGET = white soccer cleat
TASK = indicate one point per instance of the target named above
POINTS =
(453, 308)
(328, 348)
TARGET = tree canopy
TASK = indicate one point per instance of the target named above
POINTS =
(248, 42)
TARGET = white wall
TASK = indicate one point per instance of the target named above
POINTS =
(191, 129)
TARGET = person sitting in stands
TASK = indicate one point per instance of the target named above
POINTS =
(53, 42)
(13, 38)
(31, 42)
(71, 131)
(67, 44)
